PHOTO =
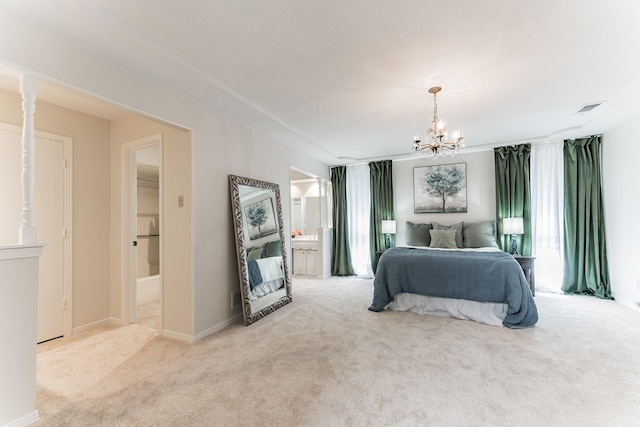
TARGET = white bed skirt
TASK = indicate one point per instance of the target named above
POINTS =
(489, 313)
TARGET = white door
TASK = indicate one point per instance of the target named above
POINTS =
(49, 208)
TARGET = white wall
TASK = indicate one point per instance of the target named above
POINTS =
(622, 205)
(18, 307)
(481, 192)
(222, 147)
(177, 310)
(207, 269)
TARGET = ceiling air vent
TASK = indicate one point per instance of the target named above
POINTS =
(588, 107)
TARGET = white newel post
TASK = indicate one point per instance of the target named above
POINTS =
(28, 88)
(19, 266)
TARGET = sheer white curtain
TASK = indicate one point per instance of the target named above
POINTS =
(547, 213)
(358, 217)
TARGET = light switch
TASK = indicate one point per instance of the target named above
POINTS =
(180, 201)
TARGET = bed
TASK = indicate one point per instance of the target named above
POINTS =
(266, 275)
(483, 284)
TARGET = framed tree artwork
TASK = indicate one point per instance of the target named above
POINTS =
(440, 188)
(261, 220)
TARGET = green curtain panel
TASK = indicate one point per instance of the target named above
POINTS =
(513, 193)
(585, 254)
(381, 204)
(341, 257)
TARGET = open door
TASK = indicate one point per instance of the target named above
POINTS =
(142, 232)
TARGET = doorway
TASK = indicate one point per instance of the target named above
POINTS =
(142, 232)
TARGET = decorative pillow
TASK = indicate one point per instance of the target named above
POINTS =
(418, 234)
(255, 254)
(457, 227)
(480, 235)
(272, 249)
(444, 239)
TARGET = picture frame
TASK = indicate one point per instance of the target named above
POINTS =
(440, 188)
(260, 218)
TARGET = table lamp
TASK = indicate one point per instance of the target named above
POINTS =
(388, 228)
(513, 226)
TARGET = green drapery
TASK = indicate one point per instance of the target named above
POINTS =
(513, 198)
(585, 254)
(341, 257)
(381, 204)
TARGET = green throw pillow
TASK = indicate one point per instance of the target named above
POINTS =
(443, 239)
(255, 254)
(480, 235)
(457, 227)
(272, 249)
(418, 234)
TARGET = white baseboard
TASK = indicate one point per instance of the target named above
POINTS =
(165, 332)
(191, 339)
(217, 328)
(116, 321)
(178, 336)
(89, 326)
(628, 303)
(24, 421)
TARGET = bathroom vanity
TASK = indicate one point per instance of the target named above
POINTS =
(312, 254)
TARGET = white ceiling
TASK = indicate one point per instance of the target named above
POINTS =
(347, 80)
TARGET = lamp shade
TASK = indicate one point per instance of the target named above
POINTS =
(388, 226)
(513, 226)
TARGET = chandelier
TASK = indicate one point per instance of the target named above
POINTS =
(436, 142)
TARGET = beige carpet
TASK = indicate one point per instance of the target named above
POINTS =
(149, 315)
(325, 360)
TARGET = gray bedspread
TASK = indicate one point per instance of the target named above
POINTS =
(476, 276)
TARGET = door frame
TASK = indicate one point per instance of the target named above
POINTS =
(128, 226)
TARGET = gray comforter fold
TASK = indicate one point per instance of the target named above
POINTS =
(476, 276)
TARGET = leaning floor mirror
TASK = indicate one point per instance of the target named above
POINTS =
(265, 284)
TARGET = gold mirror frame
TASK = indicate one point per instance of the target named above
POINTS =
(251, 315)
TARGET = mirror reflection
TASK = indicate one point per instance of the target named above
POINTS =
(306, 214)
(264, 279)
(310, 205)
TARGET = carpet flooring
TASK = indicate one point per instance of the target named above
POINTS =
(325, 360)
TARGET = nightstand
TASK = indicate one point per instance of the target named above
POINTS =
(374, 267)
(529, 268)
